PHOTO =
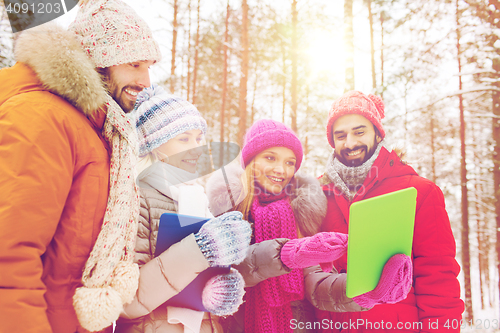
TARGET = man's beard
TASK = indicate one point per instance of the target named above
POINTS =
(357, 162)
(125, 104)
(114, 92)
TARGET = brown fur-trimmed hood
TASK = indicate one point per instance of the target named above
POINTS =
(308, 201)
(62, 66)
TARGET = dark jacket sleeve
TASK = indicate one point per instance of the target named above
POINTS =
(437, 289)
(327, 291)
(263, 262)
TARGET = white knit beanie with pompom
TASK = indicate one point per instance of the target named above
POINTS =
(111, 33)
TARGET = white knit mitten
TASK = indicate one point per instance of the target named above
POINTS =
(224, 240)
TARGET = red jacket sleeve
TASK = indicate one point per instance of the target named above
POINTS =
(435, 269)
(35, 178)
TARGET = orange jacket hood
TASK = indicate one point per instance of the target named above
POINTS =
(61, 66)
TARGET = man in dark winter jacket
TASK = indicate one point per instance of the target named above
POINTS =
(361, 168)
(68, 200)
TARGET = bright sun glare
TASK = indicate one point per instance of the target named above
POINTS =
(325, 52)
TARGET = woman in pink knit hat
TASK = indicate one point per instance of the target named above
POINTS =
(283, 206)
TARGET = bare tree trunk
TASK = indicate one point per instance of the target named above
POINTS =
(174, 42)
(283, 82)
(189, 53)
(293, 115)
(244, 73)
(224, 83)
(482, 241)
(306, 142)
(481, 238)
(433, 147)
(468, 314)
(349, 45)
(382, 54)
(183, 64)
(252, 113)
(496, 156)
(372, 44)
(406, 110)
(195, 69)
(5, 59)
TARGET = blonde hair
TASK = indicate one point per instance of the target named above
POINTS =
(144, 162)
(248, 181)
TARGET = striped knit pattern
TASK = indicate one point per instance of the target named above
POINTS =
(354, 102)
(268, 308)
(162, 116)
(111, 33)
(224, 240)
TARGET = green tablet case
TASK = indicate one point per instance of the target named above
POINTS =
(379, 228)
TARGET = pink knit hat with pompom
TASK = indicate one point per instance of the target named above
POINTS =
(267, 133)
(369, 106)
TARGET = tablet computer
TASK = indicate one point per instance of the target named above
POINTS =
(171, 231)
(379, 228)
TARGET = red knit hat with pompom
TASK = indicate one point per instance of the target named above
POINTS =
(369, 106)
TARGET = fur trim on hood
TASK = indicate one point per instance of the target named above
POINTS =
(219, 193)
(62, 66)
(308, 201)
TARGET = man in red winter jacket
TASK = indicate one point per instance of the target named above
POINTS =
(361, 168)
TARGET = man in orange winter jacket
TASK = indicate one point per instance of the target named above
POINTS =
(361, 168)
(66, 147)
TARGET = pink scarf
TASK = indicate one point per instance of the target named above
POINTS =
(268, 308)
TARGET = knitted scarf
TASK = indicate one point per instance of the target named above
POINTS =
(350, 179)
(110, 278)
(180, 186)
(268, 308)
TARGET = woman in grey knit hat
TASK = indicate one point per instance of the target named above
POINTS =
(171, 132)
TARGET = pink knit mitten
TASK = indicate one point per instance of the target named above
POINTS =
(322, 248)
(223, 293)
(394, 284)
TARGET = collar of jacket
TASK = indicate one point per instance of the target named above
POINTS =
(308, 201)
(387, 165)
(62, 67)
(98, 118)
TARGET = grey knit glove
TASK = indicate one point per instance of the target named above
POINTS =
(224, 240)
(223, 293)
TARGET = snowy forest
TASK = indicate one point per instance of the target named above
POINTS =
(435, 63)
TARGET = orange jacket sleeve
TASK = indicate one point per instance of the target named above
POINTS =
(36, 166)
